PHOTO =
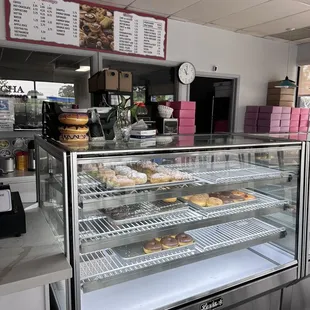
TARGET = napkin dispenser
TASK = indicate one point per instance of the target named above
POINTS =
(12, 213)
(5, 198)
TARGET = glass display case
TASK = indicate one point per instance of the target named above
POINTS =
(171, 225)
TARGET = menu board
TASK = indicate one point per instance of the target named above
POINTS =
(87, 26)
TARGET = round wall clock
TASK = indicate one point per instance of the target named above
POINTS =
(186, 73)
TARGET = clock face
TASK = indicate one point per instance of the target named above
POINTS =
(186, 73)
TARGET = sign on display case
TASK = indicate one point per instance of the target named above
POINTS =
(86, 26)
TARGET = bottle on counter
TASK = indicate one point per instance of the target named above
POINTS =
(31, 156)
(21, 160)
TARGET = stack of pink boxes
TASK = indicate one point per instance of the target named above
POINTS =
(185, 112)
(273, 119)
(299, 120)
(250, 119)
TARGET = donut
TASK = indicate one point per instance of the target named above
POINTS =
(138, 177)
(170, 199)
(184, 239)
(249, 197)
(213, 201)
(82, 14)
(90, 17)
(168, 242)
(158, 239)
(73, 138)
(72, 130)
(152, 246)
(186, 197)
(73, 119)
(159, 178)
(199, 200)
(120, 181)
(86, 8)
(94, 28)
(238, 193)
(106, 174)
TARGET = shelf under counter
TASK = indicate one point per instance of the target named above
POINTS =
(105, 268)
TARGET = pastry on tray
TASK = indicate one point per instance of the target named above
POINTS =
(167, 242)
(199, 199)
(120, 181)
(213, 201)
(170, 199)
(159, 178)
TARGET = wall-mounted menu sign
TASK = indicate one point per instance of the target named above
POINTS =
(88, 26)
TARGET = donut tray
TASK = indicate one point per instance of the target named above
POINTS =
(146, 210)
(135, 251)
(232, 204)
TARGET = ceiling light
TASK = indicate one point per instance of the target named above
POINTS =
(83, 69)
(287, 83)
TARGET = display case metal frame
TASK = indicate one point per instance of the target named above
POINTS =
(248, 288)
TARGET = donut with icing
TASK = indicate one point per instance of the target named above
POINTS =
(73, 138)
(73, 119)
(73, 130)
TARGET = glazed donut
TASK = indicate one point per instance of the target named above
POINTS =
(73, 138)
(170, 199)
(184, 239)
(213, 201)
(238, 193)
(168, 242)
(73, 119)
(72, 130)
(199, 200)
(151, 247)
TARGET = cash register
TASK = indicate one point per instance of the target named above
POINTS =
(12, 214)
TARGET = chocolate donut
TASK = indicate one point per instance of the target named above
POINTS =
(169, 242)
(151, 247)
(184, 239)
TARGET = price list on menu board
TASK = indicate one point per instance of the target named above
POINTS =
(87, 26)
(139, 34)
(45, 21)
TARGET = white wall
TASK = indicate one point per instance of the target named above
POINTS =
(254, 60)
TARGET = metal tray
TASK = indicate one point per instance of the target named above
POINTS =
(148, 210)
(150, 185)
(223, 205)
(135, 251)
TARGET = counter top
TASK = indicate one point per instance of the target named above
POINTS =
(18, 176)
(32, 260)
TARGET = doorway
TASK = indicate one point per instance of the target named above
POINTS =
(215, 104)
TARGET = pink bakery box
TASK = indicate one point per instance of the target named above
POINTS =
(250, 129)
(183, 105)
(252, 109)
(285, 129)
(250, 115)
(186, 122)
(270, 109)
(286, 110)
(304, 110)
(303, 123)
(304, 117)
(184, 113)
(295, 111)
(294, 123)
(270, 116)
(293, 129)
(303, 129)
(294, 117)
(268, 129)
(268, 123)
(187, 130)
(285, 123)
(250, 122)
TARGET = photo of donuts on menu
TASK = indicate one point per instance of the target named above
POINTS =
(96, 28)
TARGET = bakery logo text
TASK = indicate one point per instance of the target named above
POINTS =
(212, 304)
(11, 89)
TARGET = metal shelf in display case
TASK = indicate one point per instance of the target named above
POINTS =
(107, 265)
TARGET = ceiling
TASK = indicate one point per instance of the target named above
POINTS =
(263, 18)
